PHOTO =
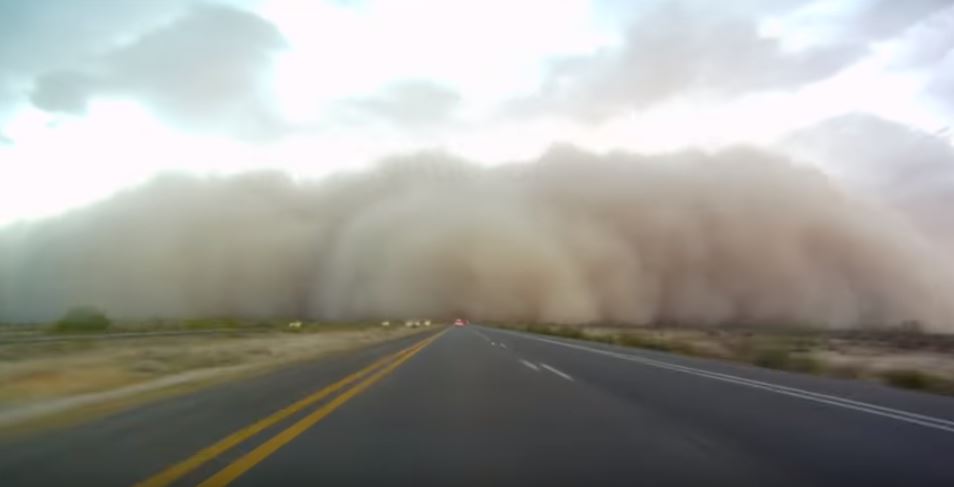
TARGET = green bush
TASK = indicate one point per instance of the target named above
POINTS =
(660, 344)
(917, 380)
(639, 341)
(770, 358)
(556, 330)
(83, 319)
(569, 332)
(783, 359)
(908, 379)
(685, 348)
(538, 329)
(846, 371)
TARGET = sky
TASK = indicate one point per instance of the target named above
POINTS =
(100, 95)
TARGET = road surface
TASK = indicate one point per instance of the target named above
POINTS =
(481, 406)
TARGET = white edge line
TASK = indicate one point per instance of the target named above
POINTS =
(557, 372)
(530, 365)
(914, 418)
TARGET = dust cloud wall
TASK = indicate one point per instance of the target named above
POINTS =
(733, 237)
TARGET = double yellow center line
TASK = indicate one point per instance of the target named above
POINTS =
(374, 373)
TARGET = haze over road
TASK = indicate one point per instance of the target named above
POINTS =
(482, 406)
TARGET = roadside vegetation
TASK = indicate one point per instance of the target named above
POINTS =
(83, 320)
(918, 380)
(34, 375)
(905, 358)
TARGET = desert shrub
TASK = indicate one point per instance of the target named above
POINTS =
(907, 379)
(83, 319)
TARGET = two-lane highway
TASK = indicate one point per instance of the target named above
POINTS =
(482, 406)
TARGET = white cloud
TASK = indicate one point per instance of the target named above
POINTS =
(206, 71)
(679, 49)
(692, 49)
(485, 51)
(409, 104)
(345, 83)
(929, 49)
(60, 162)
(40, 36)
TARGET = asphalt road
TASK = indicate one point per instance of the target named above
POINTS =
(480, 406)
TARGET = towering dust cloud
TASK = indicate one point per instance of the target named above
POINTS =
(733, 237)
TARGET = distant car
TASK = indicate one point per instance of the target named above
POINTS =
(460, 322)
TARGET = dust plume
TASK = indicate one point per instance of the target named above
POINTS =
(737, 236)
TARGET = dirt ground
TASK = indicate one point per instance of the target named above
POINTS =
(39, 374)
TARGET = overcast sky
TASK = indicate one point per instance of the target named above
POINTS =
(97, 95)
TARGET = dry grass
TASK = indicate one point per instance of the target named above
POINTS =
(41, 373)
(907, 359)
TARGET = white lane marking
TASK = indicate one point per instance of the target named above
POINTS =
(557, 372)
(530, 365)
(900, 415)
(502, 345)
